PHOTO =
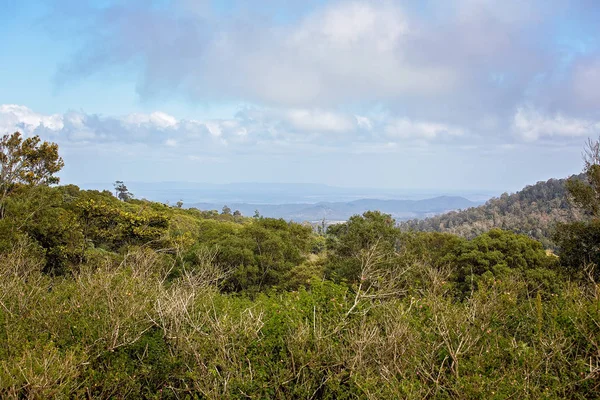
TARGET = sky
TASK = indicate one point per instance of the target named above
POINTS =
(450, 95)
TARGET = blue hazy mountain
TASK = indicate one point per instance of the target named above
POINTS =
(339, 211)
(303, 201)
(276, 193)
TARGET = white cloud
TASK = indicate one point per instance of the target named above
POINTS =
(319, 121)
(157, 119)
(250, 131)
(364, 122)
(214, 128)
(76, 120)
(532, 124)
(345, 26)
(15, 116)
(405, 128)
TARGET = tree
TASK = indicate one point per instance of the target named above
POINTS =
(367, 234)
(121, 191)
(237, 213)
(27, 162)
(256, 214)
(179, 204)
(578, 241)
(494, 254)
(578, 246)
(226, 210)
(586, 195)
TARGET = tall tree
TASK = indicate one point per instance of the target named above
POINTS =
(578, 241)
(27, 162)
(586, 194)
(122, 192)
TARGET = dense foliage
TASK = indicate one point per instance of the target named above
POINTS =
(533, 211)
(109, 298)
(579, 242)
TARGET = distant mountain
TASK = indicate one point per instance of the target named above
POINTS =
(341, 211)
(273, 193)
(532, 211)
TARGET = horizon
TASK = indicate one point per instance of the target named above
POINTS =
(391, 95)
(351, 193)
(270, 193)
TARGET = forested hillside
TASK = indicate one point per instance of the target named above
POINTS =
(106, 296)
(533, 211)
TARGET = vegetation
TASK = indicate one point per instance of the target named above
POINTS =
(103, 297)
(533, 211)
(26, 162)
(579, 241)
(121, 191)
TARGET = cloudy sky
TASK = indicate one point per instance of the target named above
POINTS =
(445, 94)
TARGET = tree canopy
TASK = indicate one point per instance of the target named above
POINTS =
(26, 161)
(579, 241)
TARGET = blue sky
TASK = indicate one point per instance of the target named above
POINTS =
(463, 94)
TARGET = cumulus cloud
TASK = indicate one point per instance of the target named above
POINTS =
(405, 128)
(264, 130)
(532, 124)
(20, 117)
(157, 119)
(272, 131)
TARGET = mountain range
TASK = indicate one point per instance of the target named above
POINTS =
(276, 193)
(341, 211)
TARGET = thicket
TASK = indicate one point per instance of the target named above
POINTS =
(103, 298)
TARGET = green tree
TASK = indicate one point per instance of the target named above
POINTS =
(349, 242)
(495, 254)
(586, 194)
(226, 210)
(121, 191)
(579, 246)
(578, 242)
(26, 162)
(109, 225)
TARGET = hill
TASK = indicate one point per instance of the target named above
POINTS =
(341, 211)
(532, 211)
